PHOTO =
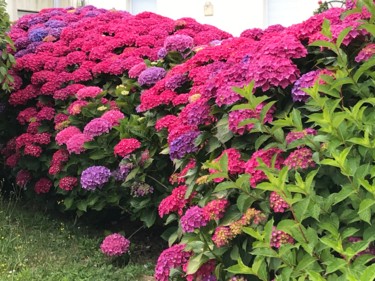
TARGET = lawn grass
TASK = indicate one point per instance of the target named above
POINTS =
(37, 246)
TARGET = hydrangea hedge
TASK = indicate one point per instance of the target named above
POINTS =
(257, 151)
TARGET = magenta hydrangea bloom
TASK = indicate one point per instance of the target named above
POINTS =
(277, 204)
(63, 136)
(300, 158)
(113, 116)
(279, 238)
(95, 177)
(115, 245)
(366, 53)
(170, 258)
(88, 92)
(151, 75)
(97, 127)
(194, 218)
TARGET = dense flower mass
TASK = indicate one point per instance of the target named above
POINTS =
(115, 245)
(95, 177)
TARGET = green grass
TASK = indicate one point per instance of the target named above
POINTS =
(37, 246)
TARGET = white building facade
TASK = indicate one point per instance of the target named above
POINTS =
(233, 16)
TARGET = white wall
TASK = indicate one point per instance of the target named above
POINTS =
(288, 12)
(233, 16)
(109, 4)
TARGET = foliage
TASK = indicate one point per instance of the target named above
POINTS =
(6, 45)
(256, 150)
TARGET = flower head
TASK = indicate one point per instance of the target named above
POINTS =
(126, 146)
(95, 177)
(192, 219)
(115, 245)
(97, 127)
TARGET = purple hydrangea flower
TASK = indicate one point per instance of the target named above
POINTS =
(22, 43)
(141, 189)
(151, 75)
(175, 81)
(179, 43)
(122, 171)
(95, 177)
(162, 53)
(193, 219)
(55, 23)
(183, 145)
(37, 34)
(97, 127)
(305, 81)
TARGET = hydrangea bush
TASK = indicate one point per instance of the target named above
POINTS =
(256, 150)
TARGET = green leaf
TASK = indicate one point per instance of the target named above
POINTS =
(315, 276)
(326, 28)
(224, 186)
(253, 233)
(369, 273)
(305, 263)
(335, 264)
(342, 36)
(240, 268)
(195, 263)
(321, 43)
(365, 210)
(364, 67)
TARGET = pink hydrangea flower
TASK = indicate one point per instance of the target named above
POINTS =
(76, 142)
(115, 245)
(170, 258)
(113, 116)
(277, 204)
(88, 92)
(97, 127)
(64, 135)
(300, 158)
(193, 218)
(126, 146)
(43, 185)
(215, 209)
(279, 238)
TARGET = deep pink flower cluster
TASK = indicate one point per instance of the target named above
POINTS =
(277, 203)
(170, 258)
(97, 127)
(300, 158)
(295, 135)
(175, 202)
(267, 157)
(224, 234)
(126, 146)
(279, 238)
(366, 53)
(68, 183)
(59, 158)
(235, 164)
(192, 219)
(115, 245)
(215, 210)
(43, 185)
(23, 178)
